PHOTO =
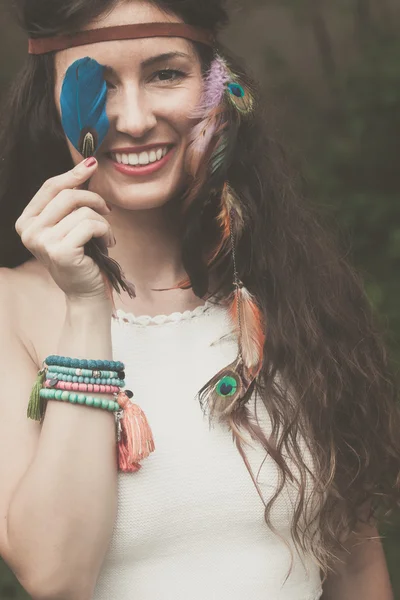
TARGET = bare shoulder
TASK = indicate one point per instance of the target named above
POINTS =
(34, 306)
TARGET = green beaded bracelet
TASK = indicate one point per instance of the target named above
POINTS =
(50, 394)
(81, 372)
(79, 363)
(92, 380)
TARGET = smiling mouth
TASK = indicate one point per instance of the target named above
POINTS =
(141, 159)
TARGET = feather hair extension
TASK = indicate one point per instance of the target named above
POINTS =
(230, 389)
(224, 101)
(84, 119)
(241, 97)
(249, 320)
(209, 155)
(230, 215)
(226, 391)
(210, 111)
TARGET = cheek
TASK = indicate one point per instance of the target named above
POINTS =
(180, 109)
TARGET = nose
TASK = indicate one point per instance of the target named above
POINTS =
(133, 113)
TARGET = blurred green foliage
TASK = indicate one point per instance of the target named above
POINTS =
(347, 132)
(340, 115)
(353, 168)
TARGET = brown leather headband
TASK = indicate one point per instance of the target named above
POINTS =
(120, 32)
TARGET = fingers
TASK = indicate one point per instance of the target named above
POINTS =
(71, 221)
(53, 186)
(85, 231)
(68, 201)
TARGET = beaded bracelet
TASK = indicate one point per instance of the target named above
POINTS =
(134, 436)
(80, 363)
(110, 405)
(85, 372)
(75, 379)
(81, 387)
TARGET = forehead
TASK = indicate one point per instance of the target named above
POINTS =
(121, 52)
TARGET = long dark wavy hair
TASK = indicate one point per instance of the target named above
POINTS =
(323, 339)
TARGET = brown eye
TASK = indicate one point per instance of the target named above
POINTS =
(110, 86)
(170, 75)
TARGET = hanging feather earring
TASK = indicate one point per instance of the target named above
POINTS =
(213, 138)
(84, 119)
(230, 215)
(210, 112)
(232, 387)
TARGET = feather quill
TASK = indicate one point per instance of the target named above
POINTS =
(84, 119)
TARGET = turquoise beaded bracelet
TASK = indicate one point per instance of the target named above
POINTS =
(79, 363)
(73, 398)
(81, 372)
(94, 380)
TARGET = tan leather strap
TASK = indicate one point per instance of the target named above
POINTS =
(120, 32)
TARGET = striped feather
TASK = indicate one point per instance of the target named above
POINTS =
(251, 331)
(231, 214)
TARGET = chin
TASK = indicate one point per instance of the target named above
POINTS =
(136, 199)
(141, 203)
(139, 196)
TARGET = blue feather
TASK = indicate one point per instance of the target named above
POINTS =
(83, 105)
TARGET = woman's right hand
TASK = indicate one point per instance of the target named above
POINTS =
(58, 222)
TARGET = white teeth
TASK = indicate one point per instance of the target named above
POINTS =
(144, 158)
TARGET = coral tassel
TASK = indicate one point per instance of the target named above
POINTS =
(136, 440)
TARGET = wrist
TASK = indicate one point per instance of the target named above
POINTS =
(94, 312)
(87, 330)
(89, 306)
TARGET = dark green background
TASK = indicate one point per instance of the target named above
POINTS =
(331, 73)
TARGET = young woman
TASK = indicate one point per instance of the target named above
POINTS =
(279, 492)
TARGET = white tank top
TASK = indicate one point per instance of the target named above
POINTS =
(190, 523)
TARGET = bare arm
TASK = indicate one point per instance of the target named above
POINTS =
(61, 484)
(58, 500)
(364, 574)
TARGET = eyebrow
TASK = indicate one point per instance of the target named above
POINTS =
(155, 59)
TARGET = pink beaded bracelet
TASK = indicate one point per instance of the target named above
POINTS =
(83, 387)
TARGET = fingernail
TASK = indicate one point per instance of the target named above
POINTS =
(90, 162)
